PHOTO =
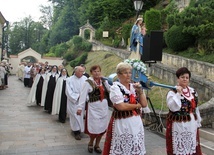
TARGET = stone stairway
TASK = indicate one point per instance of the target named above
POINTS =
(207, 140)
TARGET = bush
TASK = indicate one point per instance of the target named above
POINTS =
(126, 31)
(178, 41)
(77, 40)
(71, 55)
(170, 20)
(50, 55)
(153, 20)
(79, 60)
(86, 46)
(98, 34)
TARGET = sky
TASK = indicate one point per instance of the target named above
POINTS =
(16, 10)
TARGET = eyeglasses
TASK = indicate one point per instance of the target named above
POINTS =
(127, 73)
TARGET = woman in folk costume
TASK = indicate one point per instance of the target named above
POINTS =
(125, 134)
(36, 90)
(60, 99)
(48, 88)
(183, 120)
(96, 122)
(135, 40)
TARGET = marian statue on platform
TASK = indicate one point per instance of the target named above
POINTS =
(136, 40)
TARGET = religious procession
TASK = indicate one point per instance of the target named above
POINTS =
(85, 98)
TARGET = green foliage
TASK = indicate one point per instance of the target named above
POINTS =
(87, 34)
(76, 46)
(98, 34)
(86, 46)
(116, 42)
(50, 55)
(66, 22)
(206, 46)
(170, 20)
(77, 40)
(198, 21)
(193, 54)
(168, 11)
(81, 45)
(59, 49)
(79, 60)
(26, 34)
(68, 56)
(177, 40)
(106, 24)
(126, 30)
(98, 11)
(153, 20)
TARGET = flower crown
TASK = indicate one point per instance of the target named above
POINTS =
(137, 64)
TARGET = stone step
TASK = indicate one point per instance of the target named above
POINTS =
(207, 146)
(207, 133)
(207, 140)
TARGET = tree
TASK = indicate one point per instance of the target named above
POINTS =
(153, 20)
(198, 21)
(47, 17)
(25, 34)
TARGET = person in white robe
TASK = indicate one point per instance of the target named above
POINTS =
(74, 86)
(125, 134)
(183, 120)
(27, 74)
(96, 90)
(32, 97)
(59, 106)
(20, 71)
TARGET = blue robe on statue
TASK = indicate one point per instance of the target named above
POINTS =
(135, 37)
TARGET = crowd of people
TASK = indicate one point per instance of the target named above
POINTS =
(5, 69)
(85, 99)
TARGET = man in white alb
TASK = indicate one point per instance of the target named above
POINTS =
(73, 89)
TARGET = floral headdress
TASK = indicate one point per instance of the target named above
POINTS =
(137, 64)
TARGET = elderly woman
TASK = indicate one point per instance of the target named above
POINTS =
(183, 119)
(97, 108)
(125, 133)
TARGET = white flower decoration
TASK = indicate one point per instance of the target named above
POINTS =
(137, 64)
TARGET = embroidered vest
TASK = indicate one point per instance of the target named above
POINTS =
(183, 115)
(124, 114)
(95, 94)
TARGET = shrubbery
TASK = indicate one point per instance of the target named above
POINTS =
(178, 41)
(79, 60)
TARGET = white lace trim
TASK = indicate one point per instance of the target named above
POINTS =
(184, 137)
(127, 143)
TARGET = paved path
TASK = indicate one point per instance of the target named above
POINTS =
(29, 130)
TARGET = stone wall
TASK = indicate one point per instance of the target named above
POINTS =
(205, 70)
(204, 87)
